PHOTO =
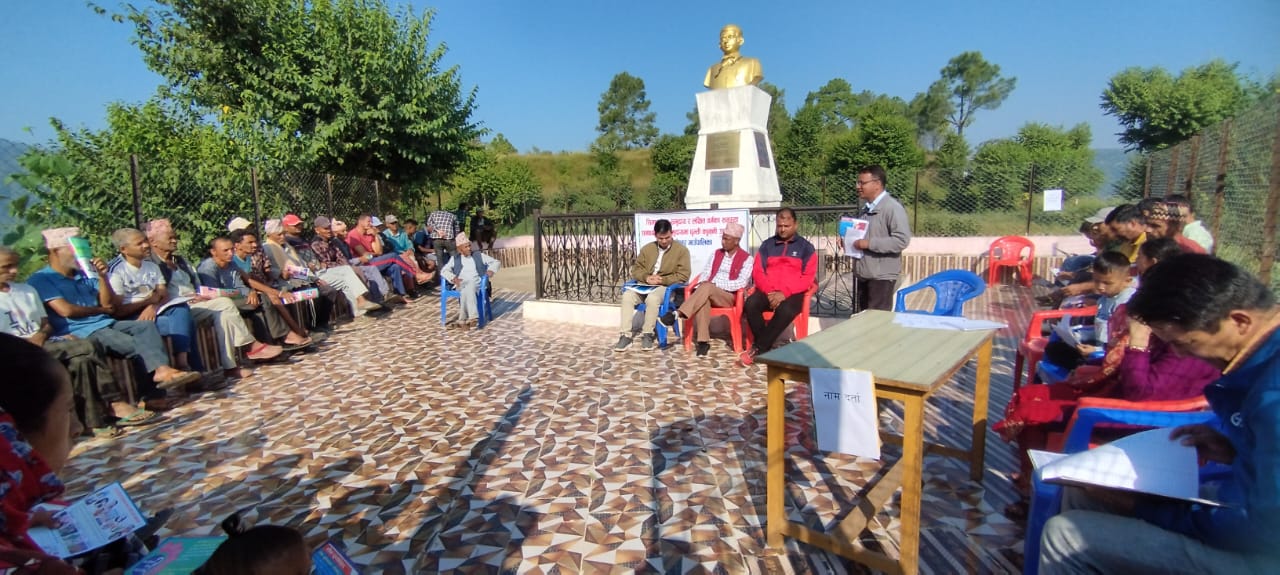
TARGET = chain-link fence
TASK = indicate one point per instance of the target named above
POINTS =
(1230, 173)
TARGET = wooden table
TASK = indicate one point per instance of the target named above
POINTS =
(909, 364)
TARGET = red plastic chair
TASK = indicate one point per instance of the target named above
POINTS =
(1031, 348)
(1006, 252)
(733, 313)
(801, 322)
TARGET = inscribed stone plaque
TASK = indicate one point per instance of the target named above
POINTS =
(722, 183)
(722, 151)
(762, 149)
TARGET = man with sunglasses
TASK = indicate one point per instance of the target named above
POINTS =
(888, 234)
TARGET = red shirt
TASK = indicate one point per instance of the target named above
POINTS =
(357, 239)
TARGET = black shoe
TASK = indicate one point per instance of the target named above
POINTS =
(646, 342)
(668, 319)
(702, 348)
(623, 343)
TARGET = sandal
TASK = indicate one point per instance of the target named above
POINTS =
(160, 404)
(110, 432)
(179, 380)
(137, 418)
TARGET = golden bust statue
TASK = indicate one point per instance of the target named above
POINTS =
(733, 70)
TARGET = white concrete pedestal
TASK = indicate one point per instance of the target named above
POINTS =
(733, 166)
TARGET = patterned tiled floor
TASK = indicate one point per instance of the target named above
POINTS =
(529, 448)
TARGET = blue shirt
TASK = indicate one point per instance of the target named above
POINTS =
(222, 278)
(76, 290)
(399, 241)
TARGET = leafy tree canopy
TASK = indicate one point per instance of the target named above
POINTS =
(340, 86)
(974, 84)
(1157, 109)
(625, 119)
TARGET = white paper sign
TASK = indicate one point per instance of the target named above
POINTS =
(698, 230)
(1053, 200)
(844, 411)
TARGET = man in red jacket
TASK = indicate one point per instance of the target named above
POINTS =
(785, 267)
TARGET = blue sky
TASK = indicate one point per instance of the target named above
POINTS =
(541, 66)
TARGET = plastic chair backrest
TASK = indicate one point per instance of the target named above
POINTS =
(952, 288)
(1010, 249)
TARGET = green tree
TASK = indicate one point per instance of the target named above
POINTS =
(835, 105)
(338, 86)
(888, 140)
(1003, 174)
(952, 163)
(612, 185)
(800, 152)
(974, 84)
(695, 124)
(500, 145)
(1157, 109)
(504, 183)
(625, 119)
(779, 118)
(672, 158)
(929, 110)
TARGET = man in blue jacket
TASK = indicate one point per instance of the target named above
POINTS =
(1211, 309)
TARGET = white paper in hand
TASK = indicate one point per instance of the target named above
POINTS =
(856, 230)
(844, 411)
(1064, 331)
(1147, 462)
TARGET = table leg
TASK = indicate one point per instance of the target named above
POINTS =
(775, 442)
(912, 482)
(981, 397)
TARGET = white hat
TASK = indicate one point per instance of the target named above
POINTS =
(390, 219)
(238, 223)
(375, 221)
(462, 239)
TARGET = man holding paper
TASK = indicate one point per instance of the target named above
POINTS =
(1213, 310)
(141, 294)
(220, 271)
(81, 305)
(661, 263)
(888, 232)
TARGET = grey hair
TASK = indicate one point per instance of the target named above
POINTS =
(121, 237)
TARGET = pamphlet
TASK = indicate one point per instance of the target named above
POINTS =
(297, 272)
(104, 516)
(1064, 331)
(84, 255)
(1146, 462)
(177, 556)
(300, 295)
(211, 292)
(330, 559)
(857, 230)
(642, 289)
(178, 300)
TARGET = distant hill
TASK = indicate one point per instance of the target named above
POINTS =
(1112, 162)
(554, 169)
(10, 151)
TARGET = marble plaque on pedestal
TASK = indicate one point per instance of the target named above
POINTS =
(733, 166)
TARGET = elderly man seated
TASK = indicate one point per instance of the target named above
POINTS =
(366, 243)
(221, 271)
(141, 294)
(182, 281)
(728, 271)
(331, 269)
(82, 308)
(289, 269)
(464, 272)
(332, 250)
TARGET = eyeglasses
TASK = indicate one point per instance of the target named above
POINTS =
(862, 183)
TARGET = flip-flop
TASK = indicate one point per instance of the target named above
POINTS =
(137, 418)
(111, 432)
(178, 380)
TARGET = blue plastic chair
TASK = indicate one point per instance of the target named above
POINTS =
(951, 288)
(1046, 498)
(668, 305)
(482, 300)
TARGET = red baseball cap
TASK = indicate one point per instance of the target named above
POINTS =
(291, 220)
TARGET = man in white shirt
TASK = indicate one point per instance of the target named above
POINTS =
(464, 272)
(728, 271)
(140, 294)
(1192, 227)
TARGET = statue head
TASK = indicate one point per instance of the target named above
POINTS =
(730, 39)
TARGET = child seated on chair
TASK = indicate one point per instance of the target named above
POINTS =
(1115, 286)
(1136, 367)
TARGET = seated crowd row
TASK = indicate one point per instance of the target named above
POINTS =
(264, 294)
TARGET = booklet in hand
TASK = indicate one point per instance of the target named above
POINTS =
(100, 518)
(177, 556)
(1147, 462)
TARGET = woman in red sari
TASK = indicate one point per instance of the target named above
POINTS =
(1137, 367)
(37, 424)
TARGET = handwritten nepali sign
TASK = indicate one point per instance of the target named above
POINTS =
(844, 411)
(698, 230)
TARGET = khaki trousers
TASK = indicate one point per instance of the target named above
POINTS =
(652, 302)
(698, 307)
(227, 324)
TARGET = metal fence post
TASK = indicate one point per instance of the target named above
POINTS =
(1146, 179)
(257, 200)
(1220, 185)
(1172, 179)
(1031, 195)
(328, 192)
(537, 254)
(1191, 166)
(137, 190)
(1273, 208)
(915, 216)
(377, 198)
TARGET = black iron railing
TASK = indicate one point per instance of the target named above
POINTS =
(587, 257)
